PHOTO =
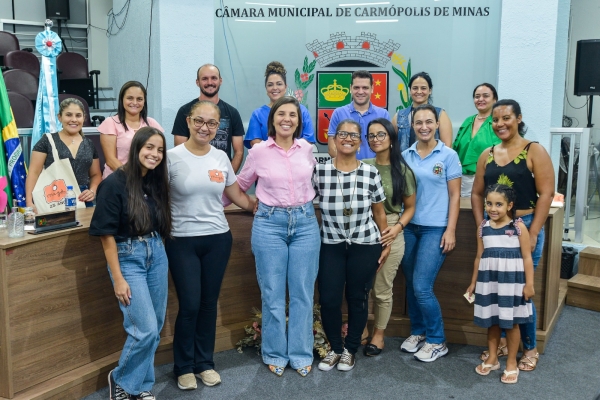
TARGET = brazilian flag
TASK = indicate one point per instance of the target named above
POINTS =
(11, 157)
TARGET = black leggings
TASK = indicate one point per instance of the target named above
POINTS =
(353, 266)
(197, 266)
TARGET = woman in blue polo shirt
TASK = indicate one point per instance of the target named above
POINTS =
(276, 86)
(431, 233)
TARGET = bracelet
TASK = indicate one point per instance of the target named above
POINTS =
(401, 224)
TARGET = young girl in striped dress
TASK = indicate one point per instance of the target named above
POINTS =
(502, 279)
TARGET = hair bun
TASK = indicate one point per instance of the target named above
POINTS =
(275, 67)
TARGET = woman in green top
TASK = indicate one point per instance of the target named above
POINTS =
(400, 191)
(475, 135)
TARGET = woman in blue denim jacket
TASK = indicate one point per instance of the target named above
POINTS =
(420, 86)
(132, 216)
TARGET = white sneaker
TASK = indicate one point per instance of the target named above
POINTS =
(431, 352)
(413, 343)
(187, 382)
(330, 361)
(346, 361)
(209, 377)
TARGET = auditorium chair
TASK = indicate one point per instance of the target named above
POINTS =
(22, 110)
(20, 81)
(8, 42)
(74, 77)
(20, 59)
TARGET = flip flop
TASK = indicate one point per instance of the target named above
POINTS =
(506, 374)
(530, 361)
(490, 368)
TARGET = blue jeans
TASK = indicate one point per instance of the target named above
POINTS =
(528, 331)
(285, 243)
(144, 266)
(422, 261)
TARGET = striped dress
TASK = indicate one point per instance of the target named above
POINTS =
(501, 278)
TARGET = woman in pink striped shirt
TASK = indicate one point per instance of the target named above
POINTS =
(285, 237)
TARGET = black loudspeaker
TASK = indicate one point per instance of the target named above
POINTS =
(57, 9)
(587, 68)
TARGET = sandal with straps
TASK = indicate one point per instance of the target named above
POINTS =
(529, 361)
(502, 352)
(506, 374)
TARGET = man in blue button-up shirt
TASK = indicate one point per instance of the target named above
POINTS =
(361, 110)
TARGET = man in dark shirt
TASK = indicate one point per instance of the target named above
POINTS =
(230, 134)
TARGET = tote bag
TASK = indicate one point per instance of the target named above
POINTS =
(51, 187)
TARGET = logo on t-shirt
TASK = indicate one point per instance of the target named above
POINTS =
(216, 176)
(438, 169)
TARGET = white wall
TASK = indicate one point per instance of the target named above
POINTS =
(533, 53)
(182, 40)
(584, 24)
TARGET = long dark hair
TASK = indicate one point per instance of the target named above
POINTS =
(427, 78)
(509, 194)
(121, 109)
(400, 168)
(489, 86)
(154, 184)
(275, 107)
(516, 108)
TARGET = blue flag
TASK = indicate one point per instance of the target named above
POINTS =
(49, 45)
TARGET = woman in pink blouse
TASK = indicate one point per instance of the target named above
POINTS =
(117, 131)
(285, 237)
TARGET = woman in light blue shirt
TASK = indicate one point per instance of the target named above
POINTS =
(430, 235)
(276, 86)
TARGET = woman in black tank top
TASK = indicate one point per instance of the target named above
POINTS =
(525, 166)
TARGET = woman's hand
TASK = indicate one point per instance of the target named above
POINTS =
(533, 241)
(122, 291)
(384, 255)
(389, 235)
(87, 195)
(255, 206)
(528, 292)
(448, 241)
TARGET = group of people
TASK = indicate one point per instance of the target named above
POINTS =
(389, 196)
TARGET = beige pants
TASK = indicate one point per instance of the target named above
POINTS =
(384, 280)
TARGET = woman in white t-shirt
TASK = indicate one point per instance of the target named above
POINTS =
(199, 251)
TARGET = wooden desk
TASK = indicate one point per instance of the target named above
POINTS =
(61, 329)
(60, 325)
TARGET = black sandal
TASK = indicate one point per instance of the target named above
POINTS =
(371, 350)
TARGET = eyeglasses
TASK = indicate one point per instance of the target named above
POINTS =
(211, 123)
(344, 135)
(380, 136)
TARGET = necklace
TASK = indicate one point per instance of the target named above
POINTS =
(347, 211)
(480, 118)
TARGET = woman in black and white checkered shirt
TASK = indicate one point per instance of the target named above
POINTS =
(351, 200)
